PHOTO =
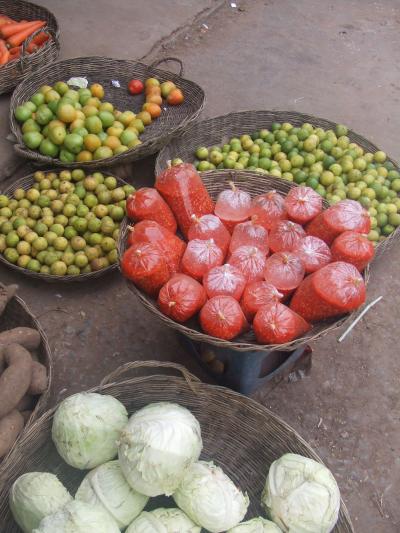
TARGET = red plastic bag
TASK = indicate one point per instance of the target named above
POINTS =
(181, 297)
(285, 235)
(347, 215)
(303, 204)
(250, 233)
(353, 248)
(225, 280)
(250, 261)
(210, 227)
(334, 290)
(222, 317)
(275, 323)
(146, 266)
(256, 295)
(233, 206)
(285, 271)
(148, 204)
(200, 256)
(183, 190)
(313, 252)
(269, 208)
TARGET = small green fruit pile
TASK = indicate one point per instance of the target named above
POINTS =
(325, 160)
(66, 224)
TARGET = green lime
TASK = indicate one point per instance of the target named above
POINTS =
(379, 156)
(312, 182)
(60, 243)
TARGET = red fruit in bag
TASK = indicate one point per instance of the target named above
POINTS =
(347, 215)
(200, 256)
(222, 317)
(303, 204)
(181, 297)
(284, 236)
(210, 227)
(250, 233)
(233, 206)
(269, 208)
(256, 295)
(334, 290)
(275, 323)
(148, 204)
(313, 252)
(146, 266)
(353, 248)
(224, 280)
(285, 271)
(250, 261)
(183, 190)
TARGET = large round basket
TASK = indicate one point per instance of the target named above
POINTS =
(254, 183)
(17, 314)
(253, 437)
(26, 183)
(114, 75)
(218, 130)
(14, 72)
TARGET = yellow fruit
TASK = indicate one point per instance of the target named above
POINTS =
(90, 110)
(80, 114)
(151, 82)
(145, 117)
(55, 123)
(66, 113)
(85, 155)
(91, 142)
(106, 106)
(118, 124)
(44, 88)
(126, 117)
(94, 101)
(77, 123)
(112, 142)
(114, 132)
(97, 90)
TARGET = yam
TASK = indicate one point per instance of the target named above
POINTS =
(10, 427)
(6, 293)
(26, 403)
(39, 379)
(16, 378)
(26, 416)
(29, 338)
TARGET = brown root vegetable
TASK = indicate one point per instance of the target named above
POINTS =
(26, 403)
(16, 378)
(29, 338)
(6, 293)
(26, 416)
(39, 379)
(10, 427)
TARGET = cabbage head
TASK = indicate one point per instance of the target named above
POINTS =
(256, 525)
(157, 446)
(210, 498)
(301, 495)
(35, 495)
(78, 517)
(163, 521)
(107, 487)
(86, 427)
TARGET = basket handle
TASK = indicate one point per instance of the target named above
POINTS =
(52, 34)
(133, 365)
(158, 62)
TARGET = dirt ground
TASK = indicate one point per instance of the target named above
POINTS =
(331, 59)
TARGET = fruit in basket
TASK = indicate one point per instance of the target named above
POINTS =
(135, 87)
(181, 297)
(274, 323)
(161, 519)
(166, 87)
(222, 317)
(233, 206)
(175, 97)
(200, 256)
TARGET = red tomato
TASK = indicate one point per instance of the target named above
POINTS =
(313, 252)
(135, 87)
(269, 208)
(250, 261)
(303, 204)
(353, 248)
(250, 234)
(285, 271)
(210, 227)
(284, 236)
(256, 295)
(181, 297)
(222, 317)
(148, 204)
(275, 323)
(224, 280)
(233, 206)
(200, 256)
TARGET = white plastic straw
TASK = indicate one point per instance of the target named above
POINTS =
(353, 324)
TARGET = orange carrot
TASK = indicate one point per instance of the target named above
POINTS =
(4, 57)
(37, 42)
(15, 52)
(12, 29)
(19, 38)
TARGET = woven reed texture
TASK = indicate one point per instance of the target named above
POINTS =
(26, 183)
(17, 314)
(173, 119)
(13, 73)
(254, 183)
(218, 130)
(252, 436)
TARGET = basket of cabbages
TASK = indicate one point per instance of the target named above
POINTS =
(165, 454)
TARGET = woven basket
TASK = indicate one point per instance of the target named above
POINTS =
(254, 183)
(14, 72)
(218, 130)
(253, 437)
(17, 314)
(173, 120)
(26, 183)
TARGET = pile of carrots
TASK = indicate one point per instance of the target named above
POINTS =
(13, 34)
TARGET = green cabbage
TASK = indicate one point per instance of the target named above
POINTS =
(301, 495)
(163, 521)
(86, 427)
(256, 525)
(157, 446)
(34, 496)
(106, 486)
(78, 517)
(210, 498)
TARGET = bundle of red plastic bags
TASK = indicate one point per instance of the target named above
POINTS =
(273, 263)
